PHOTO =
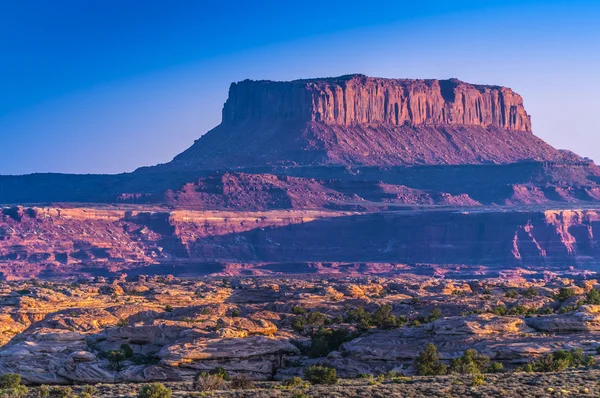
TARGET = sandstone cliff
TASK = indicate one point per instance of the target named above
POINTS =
(359, 120)
(60, 241)
(358, 99)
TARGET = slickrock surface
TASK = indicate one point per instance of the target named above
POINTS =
(170, 329)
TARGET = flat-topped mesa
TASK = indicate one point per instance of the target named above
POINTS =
(358, 99)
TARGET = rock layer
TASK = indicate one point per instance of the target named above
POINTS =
(358, 99)
(360, 120)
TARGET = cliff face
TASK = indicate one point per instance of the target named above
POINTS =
(63, 241)
(360, 99)
(358, 120)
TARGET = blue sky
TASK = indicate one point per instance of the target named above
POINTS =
(108, 86)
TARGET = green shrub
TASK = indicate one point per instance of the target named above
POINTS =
(10, 380)
(11, 387)
(297, 310)
(154, 390)
(478, 380)
(561, 360)
(527, 368)
(593, 297)
(384, 319)
(168, 308)
(221, 372)
(327, 340)
(321, 375)
(127, 350)
(60, 392)
(428, 362)
(434, 314)
(531, 292)
(499, 310)
(235, 313)
(294, 382)
(299, 323)
(88, 391)
(115, 359)
(564, 293)
(512, 293)
(315, 318)
(495, 367)
(19, 391)
(470, 363)
(44, 391)
(358, 316)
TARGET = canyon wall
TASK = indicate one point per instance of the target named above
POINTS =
(52, 242)
(359, 99)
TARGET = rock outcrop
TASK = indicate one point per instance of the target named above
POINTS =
(50, 241)
(358, 99)
(360, 120)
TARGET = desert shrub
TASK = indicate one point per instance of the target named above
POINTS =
(531, 292)
(384, 319)
(512, 293)
(299, 323)
(19, 391)
(221, 372)
(561, 360)
(11, 387)
(499, 310)
(115, 359)
(519, 310)
(154, 390)
(359, 316)
(235, 313)
(428, 362)
(122, 322)
(294, 382)
(321, 375)
(60, 392)
(564, 293)
(315, 318)
(478, 380)
(208, 382)
(470, 363)
(10, 380)
(168, 308)
(44, 391)
(495, 367)
(297, 310)
(127, 350)
(242, 382)
(593, 297)
(327, 340)
(527, 368)
(88, 391)
(434, 314)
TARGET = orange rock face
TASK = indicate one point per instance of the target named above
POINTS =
(359, 99)
(359, 120)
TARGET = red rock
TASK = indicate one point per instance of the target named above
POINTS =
(359, 120)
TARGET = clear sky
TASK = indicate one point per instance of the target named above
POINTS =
(106, 86)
